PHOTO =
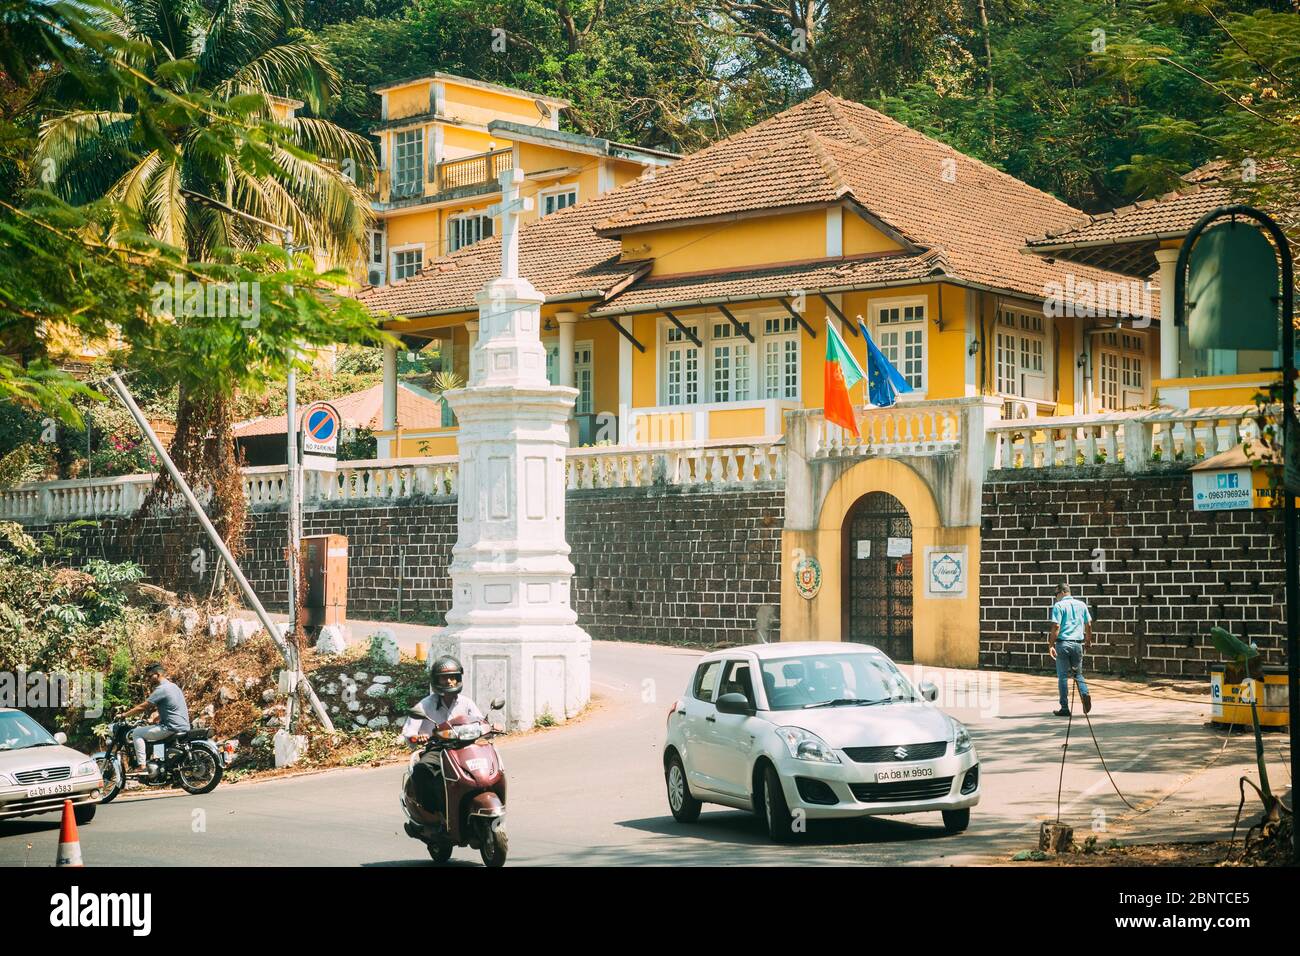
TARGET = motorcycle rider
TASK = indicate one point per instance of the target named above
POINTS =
(445, 701)
(173, 713)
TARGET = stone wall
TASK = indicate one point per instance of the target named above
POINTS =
(1156, 574)
(658, 564)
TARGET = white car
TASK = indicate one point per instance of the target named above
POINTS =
(38, 773)
(813, 731)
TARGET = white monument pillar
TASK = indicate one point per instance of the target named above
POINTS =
(511, 622)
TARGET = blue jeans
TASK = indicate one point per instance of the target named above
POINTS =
(1069, 656)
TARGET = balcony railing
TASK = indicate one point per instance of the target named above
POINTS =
(1137, 439)
(716, 463)
(477, 170)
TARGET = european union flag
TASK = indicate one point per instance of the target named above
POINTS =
(884, 382)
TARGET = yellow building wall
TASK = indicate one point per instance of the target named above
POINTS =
(479, 106)
(408, 100)
(1214, 390)
(748, 242)
(736, 423)
(945, 631)
(459, 141)
(860, 237)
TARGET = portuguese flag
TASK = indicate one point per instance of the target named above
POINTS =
(842, 373)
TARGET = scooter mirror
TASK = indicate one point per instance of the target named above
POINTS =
(497, 704)
(416, 712)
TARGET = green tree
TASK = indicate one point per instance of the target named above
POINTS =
(158, 166)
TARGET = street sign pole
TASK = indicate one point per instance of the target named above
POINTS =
(1290, 443)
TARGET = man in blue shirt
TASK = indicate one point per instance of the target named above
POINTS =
(173, 713)
(1071, 632)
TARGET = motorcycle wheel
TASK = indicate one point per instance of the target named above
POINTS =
(200, 773)
(494, 845)
(440, 853)
(114, 778)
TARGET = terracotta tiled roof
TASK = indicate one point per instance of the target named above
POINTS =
(841, 275)
(559, 253)
(364, 409)
(826, 150)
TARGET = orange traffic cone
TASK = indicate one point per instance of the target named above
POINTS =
(69, 842)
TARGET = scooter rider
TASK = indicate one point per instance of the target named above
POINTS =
(445, 702)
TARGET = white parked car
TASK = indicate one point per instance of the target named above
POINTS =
(811, 731)
(37, 772)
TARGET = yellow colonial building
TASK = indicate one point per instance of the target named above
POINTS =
(443, 140)
(689, 306)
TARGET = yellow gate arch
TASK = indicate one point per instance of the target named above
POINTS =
(945, 624)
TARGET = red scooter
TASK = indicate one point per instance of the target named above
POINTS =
(474, 787)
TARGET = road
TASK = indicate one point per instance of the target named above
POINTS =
(591, 793)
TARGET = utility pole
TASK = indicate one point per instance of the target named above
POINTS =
(293, 477)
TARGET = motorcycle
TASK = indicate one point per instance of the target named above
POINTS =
(189, 760)
(474, 789)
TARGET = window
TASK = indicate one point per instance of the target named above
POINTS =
(464, 231)
(1020, 350)
(1121, 370)
(559, 199)
(682, 365)
(706, 678)
(727, 366)
(408, 164)
(582, 372)
(377, 248)
(407, 262)
(738, 679)
(900, 333)
(781, 357)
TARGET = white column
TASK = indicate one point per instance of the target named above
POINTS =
(1167, 258)
(511, 621)
(471, 327)
(386, 447)
(567, 321)
(625, 436)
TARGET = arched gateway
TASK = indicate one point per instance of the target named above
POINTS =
(876, 582)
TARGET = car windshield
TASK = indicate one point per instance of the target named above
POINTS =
(18, 732)
(834, 680)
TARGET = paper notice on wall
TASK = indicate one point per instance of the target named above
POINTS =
(898, 547)
(864, 549)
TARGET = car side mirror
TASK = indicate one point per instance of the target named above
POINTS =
(929, 691)
(497, 704)
(61, 737)
(734, 704)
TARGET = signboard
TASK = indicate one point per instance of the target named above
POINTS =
(320, 430)
(1232, 288)
(946, 572)
(1224, 490)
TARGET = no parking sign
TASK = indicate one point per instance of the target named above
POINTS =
(320, 429)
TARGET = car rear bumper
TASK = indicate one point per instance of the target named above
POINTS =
(15, 803)
(847, 789)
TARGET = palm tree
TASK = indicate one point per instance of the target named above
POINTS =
(251, 56)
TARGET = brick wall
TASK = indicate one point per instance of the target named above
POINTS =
(657, 564)
(1170, 573)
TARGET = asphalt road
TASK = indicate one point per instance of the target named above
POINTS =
(591, 793)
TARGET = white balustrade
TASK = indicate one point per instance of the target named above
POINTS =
(908, 428)
(1138, 440)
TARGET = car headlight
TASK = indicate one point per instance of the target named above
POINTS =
(961, 737)
(805, 746)
(87, 769)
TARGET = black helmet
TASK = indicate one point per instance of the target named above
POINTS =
(445, 676)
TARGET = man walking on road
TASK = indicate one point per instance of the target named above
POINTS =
(1071, 632)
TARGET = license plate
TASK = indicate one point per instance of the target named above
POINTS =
(49, 790)
(903, 773)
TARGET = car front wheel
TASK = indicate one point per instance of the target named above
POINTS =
(954, 821)
(685, 808)
(776, 812)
